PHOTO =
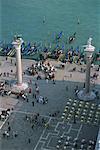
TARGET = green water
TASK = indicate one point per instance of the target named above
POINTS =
(26, 17)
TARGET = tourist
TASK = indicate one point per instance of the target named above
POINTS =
(11, 71)
(15, 134)
(54, 81)
(70, 75)
(27, 100)
(6, 58)
(37, 89)
(11, 61)
(7, 74)
(35, 96)
(35, 84)
(30, 81)
(9, 128)
(29, 140)
(30, 90)
(66, 88)
(33, 103)
(47, 80)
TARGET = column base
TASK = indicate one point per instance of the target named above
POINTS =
(17, 88)
(86, 96)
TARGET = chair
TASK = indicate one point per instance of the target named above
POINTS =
(59, 141)
(91, 142)
(70, 100)
(79, 109)
(75, 101)
(76, 116)
(74, 104)
(92, 107)
(83, 141)
(65, 147)
(81, 102)
(84, 113)
(73, 148)
(98, 108)
(66, 143)
(64, 114)
(87, 103)
(82, 117)
(90, 115)
(89, 118)
(73, 107)
(88, 121)
(66, 106)
(84, 110)
(75, 139)
(62, 117)
(91, 111)
(61, 137)
(68, 138)
(96, 116)
(68, 118)
(68, 103)
(80, 105)
(82, 146)
(89, 147)
(97, 112)
(71, 111)
(57, 146)
(78, 112)
(65, 110)
(70, 115)
(92, 104)
(86, 106)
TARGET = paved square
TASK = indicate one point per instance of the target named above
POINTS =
(75, 124)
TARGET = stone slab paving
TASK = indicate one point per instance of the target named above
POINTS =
(45, 137)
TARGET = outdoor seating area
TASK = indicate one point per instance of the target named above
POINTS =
(81, 111)
(68, 142)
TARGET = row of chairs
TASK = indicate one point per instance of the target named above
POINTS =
(68, 142)
(81, 112)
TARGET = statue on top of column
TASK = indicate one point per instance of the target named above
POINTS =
(89, 41)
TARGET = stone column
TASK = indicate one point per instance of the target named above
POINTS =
(87, 82)
(19, 85)
(18, 64)
(86, 94)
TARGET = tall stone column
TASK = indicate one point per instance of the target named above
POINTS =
(86, 94)
(19, 85)
(18, 64)
(87, 82)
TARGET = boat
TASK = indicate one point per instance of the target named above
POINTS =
(72, 38)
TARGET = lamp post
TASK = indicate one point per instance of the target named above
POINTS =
(86, 94)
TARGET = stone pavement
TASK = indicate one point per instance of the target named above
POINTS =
(46, 137)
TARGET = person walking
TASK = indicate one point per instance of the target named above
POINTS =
(33, 103)
(9, 128)
(29, 140)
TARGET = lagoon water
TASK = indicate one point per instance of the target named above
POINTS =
(26, 17)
